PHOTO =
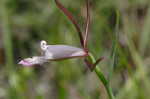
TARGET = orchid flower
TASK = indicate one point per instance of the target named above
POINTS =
(54, 52)
(60, 52)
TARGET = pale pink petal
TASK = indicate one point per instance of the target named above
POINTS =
(55, 52)
(25, 63)
(32, 61)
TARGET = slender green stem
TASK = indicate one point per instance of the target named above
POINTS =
(102, 78)
(105, 82)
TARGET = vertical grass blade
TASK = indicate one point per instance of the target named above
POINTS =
(145, 35)
(113, 56)
(7, 35)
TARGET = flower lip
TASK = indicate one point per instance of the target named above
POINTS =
(25, 63)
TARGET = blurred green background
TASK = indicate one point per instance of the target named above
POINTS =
(24, 23)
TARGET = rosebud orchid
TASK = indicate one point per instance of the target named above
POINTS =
(59, 52)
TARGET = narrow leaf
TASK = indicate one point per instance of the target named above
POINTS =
(87, 24)
(72, 19)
